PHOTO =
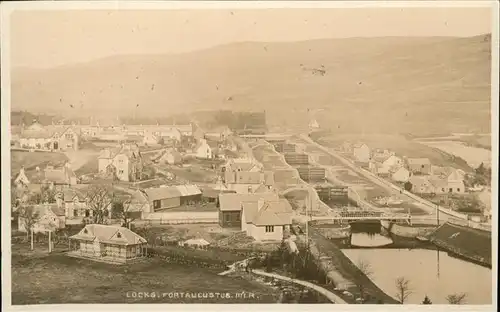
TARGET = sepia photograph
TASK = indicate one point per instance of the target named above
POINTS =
(249, 153)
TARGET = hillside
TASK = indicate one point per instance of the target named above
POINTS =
(380, 85)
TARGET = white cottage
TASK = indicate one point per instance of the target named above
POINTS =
(266, 220)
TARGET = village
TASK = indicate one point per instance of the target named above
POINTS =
(121, 195)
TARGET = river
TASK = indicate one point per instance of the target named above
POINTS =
(474, 156)
(430, 272)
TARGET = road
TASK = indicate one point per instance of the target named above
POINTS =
(445, 215)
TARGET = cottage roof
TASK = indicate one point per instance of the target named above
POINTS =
(109, 234)
(250, 210)
(233, 201)
(196, 241)
(261, 189)
(277, 212)
(438, 182)
(188, 189)
(162, 192)
(418, 161)
(209, 192)
(69, 195)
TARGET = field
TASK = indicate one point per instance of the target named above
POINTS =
(401, 146)
(35, 159)
(56, 278)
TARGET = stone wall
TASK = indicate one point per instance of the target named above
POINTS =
(407, 230)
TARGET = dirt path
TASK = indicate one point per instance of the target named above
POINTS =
(325, 292)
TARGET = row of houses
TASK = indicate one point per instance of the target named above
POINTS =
(424, 177)
(49, 138)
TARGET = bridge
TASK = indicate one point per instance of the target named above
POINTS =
(344, 217)
(268, 136)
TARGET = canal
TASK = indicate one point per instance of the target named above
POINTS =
(430, 272)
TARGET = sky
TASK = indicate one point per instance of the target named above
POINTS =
(52, 38)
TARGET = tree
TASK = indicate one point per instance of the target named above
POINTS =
(99, 200)
(29, 217)
(456, 298)
(403, 288)
(408, 186)
(366, 270)
(48, 195)
(124, 213)
(427, 300)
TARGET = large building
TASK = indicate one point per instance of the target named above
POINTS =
(50, 138)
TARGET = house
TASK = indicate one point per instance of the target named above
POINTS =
(419, 165)
(242, 164)
(190, 193)
(401, 175)
(220, 133)
(48, 217)
(168, 134)
(378, 169)
(166, 197)
(51, 138)
(123, 163)
(114, 134)
(313, 125)
(381, 155)
(138, 205)
(230, 206)
(163, 197)
(74, 203)
(266, 220)
(21, 180)
(64, 176)
(247, 182)
(393, 163)
(361, 153)
(203, 150)
(421, 185)
(108, 244)
(447, 185)
(170, 156)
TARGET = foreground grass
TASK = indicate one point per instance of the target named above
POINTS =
(51, 279)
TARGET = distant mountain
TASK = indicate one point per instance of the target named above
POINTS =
(405, 85)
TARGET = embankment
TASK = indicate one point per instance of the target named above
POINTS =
(467, 243)
(342, 271)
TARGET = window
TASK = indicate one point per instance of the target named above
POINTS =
(423, 166)
(75, 213)
(156, 204)
(458, 190)
(450, 190)
(120, 161)
(120, 172)
(85, 231)
(69, 136)
(442, 190)
(119, 235)
(269, 228)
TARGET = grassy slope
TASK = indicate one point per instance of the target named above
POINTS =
(403, 84)
(58, 279)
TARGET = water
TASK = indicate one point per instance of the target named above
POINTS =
(429, 274)
(474, 156)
